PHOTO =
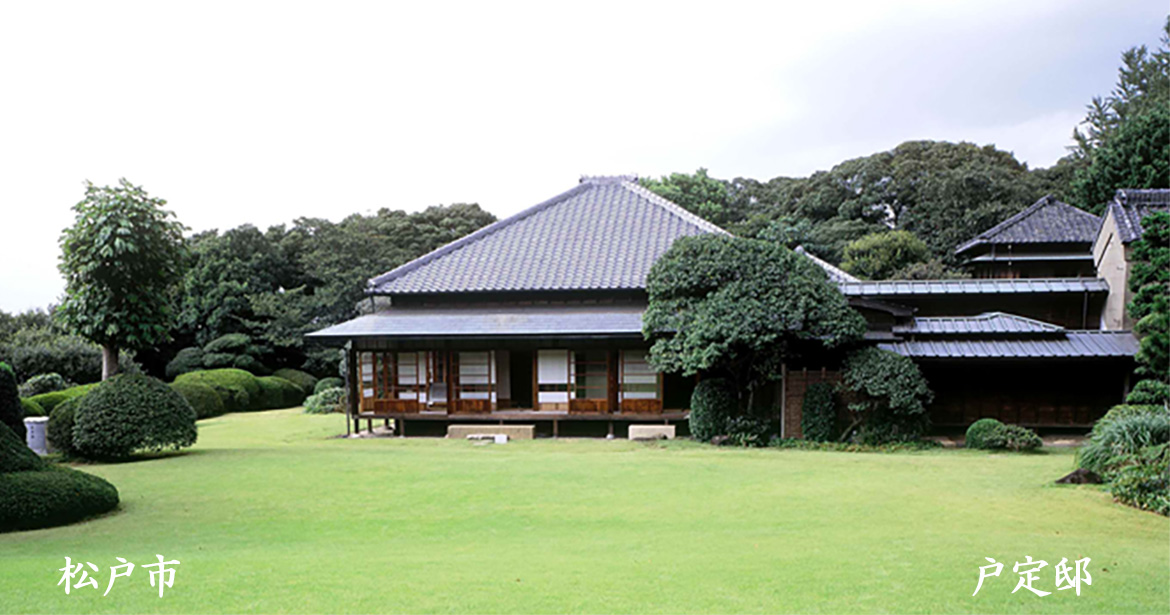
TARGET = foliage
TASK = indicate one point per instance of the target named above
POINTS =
(1135, 155)
(132, 413)
(276, 392)
(854, 447)
(982, 433)
(231, 343)
(43, 383)
(713, 403)
(239, 390)
(1016, 438)
(306, 381)
(1148, 393)
(1120, 435)
(933, 269)
(42, 351)
(881, 256)
(326, 401)
(215, 360)
(11, 412)
(120, 260)
(332, 382)
(31, 408)
(700, 194)
(186, 360)
(15, 455)
(60, 428)
(737, 308)
(1150, 282)
(48, 401)
(890, 396)
(749, 431)
(51, 497)
(1145, 483)
(203, 399)
(818, 413)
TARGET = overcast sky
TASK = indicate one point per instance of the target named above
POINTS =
(259, 113)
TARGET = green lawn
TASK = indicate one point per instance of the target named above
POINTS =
(269, 514)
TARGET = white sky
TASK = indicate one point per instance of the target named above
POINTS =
(242, 112)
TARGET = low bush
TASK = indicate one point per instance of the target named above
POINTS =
(132, 413)
(232, 343)
(216, 360)
(307, 382)
(249, 363)
(1149, 393)
(279, 393)
(326, 401)
(48, 401)
(52, 496)
(15, 455)
(60, 429)
(1145, 483)
(186, 360)
(748, 431)
(889, 396)
(328, 383)
(43, 383)
(853, 447)
(1130, 448)
(11, 412)
(31, 408)
(239, 390)
(712, 405)
(981, 432)
(77, 360)
(818, 413)
(203, 399)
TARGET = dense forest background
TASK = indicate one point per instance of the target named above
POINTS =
(248, 295)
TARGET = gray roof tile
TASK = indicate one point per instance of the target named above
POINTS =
(891, 288)
(986, 323)
(603, 234)
(1045, 221)
(476, 321)
(1074, 344)
(1130, 206)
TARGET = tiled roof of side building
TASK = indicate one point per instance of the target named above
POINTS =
(1130, 206)
(1074, 344)
(1045, 221)
(605, 233)
(986, 323)
(978, 286)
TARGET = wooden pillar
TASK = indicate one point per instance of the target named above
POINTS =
(556, 428)
(355, 387)
(612, 382)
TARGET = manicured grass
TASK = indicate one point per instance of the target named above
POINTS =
(268, 514)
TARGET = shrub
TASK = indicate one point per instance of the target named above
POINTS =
(52, 496)
(818, 414)
(31, 408)
(77, 360)
(1119, 437)
(11, 412)
(60, 432)
(48, 401)
(331, 382)
(279, 393)
(232, 343)
(215, 360)
(325, 402)
(712, 405)
(1017, 438)
(203, 399)
(239, 390)
(748, 431)
(249, 363)
(186, 360)
(43, 383)
(132, 413)
(1149, 392)
(15, 455)
(306, 381)
(981, 433)
(1145, 483)
(891, 396)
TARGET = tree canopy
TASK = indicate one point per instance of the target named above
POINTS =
(880, 256)
(121, 260)
(1150, 282)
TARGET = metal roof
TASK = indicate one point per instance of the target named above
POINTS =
(989, 322)
(1045, 221)
(603, 234)
(889, 288)
(836, 274)
(1050, 256)
(1075, 344)
(476, 321)
(1130, 206)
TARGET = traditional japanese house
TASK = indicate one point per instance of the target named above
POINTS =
(1049, 239)
(1111, 252)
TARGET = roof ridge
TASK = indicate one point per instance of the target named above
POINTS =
(477, 235)
(834, 271)
(671, 207)
(1020, 216)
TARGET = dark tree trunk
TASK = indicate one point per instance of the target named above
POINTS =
(109, 361)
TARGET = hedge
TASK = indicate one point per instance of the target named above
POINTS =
(990, 434)
(818, 413)
(325, 402)
(48, 401)
(60, 429)
(981, 432)
(276, 392)
(43, 383)
(31, 408)
(132, 413)
(186, 360)
(11, 412)
(712, 405)
(52, 496)
(15, 455)
(239, 390)
(306, 381)
(203, 399)
(331, 382)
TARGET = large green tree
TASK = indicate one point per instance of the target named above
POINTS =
(1150, 307)
(121, 259)
(737, 308)
(881, 256)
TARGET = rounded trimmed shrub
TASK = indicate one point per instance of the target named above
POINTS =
(186, 360)
(132, 413)
(328, 383)
(712, 405)
(48, 401)
(982, 433)
(15, 455)
(31, 408)
(203, 399)
(818, 413)
(326, 401)
(60, 429)
(249, 363)
(52, 496)
(43, 383)
(277, 393)
(306, 381)
(215, 360)
(236, 387)
(231, 343)
(11, 412)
